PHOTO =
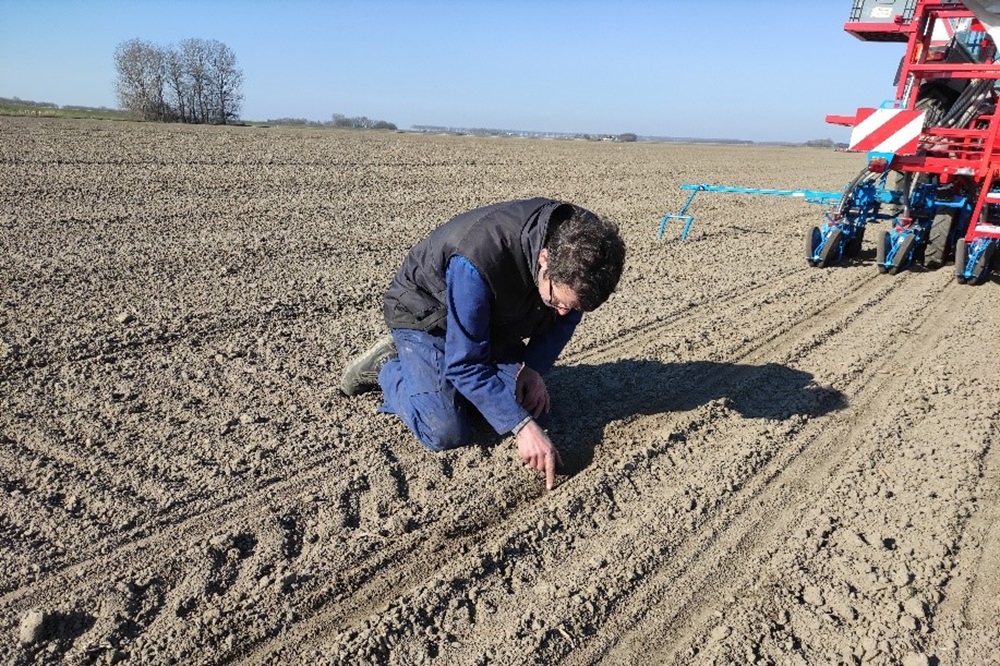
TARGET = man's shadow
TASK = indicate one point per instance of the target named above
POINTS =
(589, 397)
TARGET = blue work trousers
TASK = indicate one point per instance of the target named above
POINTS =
(414, 388)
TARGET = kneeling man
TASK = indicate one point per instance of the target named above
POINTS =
(478, 313)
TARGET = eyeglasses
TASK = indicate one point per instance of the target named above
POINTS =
(554, 304)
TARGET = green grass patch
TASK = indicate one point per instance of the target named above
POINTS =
(16, 107)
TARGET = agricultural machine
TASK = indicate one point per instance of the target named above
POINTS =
(933, 169)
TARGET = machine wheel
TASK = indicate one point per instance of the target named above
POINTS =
(901, 254)
(936, 252)
(853, 248)
(843, 208)
(935, 101)
(813, 238)
(960, 258)
(830, 251)
(981, 271)
(881, 250)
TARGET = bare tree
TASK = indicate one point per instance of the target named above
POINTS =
(177, 83)
(141, 79)
(198, 81)
(226, 79)
(196, 65)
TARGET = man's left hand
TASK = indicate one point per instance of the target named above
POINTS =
(536, 449)
(530, 391)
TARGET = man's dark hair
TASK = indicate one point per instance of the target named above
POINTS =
(587, 254)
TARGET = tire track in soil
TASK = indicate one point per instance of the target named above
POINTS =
(162, 523)
(806, 321)
(711, 565)
(917, 426)
(115, 561)
(835, 317)
(200, 521)
(22, 465)
(650, 331)
(969, 605)
(80, 472)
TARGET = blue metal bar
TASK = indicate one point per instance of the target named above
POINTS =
(811, 196)
(680, 215)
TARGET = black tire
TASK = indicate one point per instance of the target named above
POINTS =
(899, 261)
(960, 258)
(918, 253)
(843, 208)
(813, 238)
(881, 250)
(937, 250)
(831, 249)
(853, 248)
(935, 101)
(981, 271)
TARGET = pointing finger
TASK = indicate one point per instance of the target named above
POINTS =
(550, 469)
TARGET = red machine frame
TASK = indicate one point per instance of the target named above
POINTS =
(969, 153)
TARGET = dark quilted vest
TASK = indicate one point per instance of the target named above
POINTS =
(502, 241)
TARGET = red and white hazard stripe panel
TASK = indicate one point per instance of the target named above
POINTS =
(944, 30)
(887, 131)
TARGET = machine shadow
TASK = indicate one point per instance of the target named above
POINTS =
(589, 397)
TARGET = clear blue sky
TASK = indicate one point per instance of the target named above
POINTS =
(764, 71)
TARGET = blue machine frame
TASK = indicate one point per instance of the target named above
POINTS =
(810, 196)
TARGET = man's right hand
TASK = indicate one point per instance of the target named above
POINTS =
(536, 449)
(530, 391)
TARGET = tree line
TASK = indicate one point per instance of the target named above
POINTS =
(194, 81)
(337, 120)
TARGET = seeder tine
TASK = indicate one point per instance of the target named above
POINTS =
(810, 196)
(682, 214)
(688, 221)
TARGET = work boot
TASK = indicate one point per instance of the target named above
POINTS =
(361, 374)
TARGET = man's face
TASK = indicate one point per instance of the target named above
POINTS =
(559, 297)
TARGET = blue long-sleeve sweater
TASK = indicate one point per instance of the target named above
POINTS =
(468, 353)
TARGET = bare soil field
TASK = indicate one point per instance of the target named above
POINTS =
(764, 462)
